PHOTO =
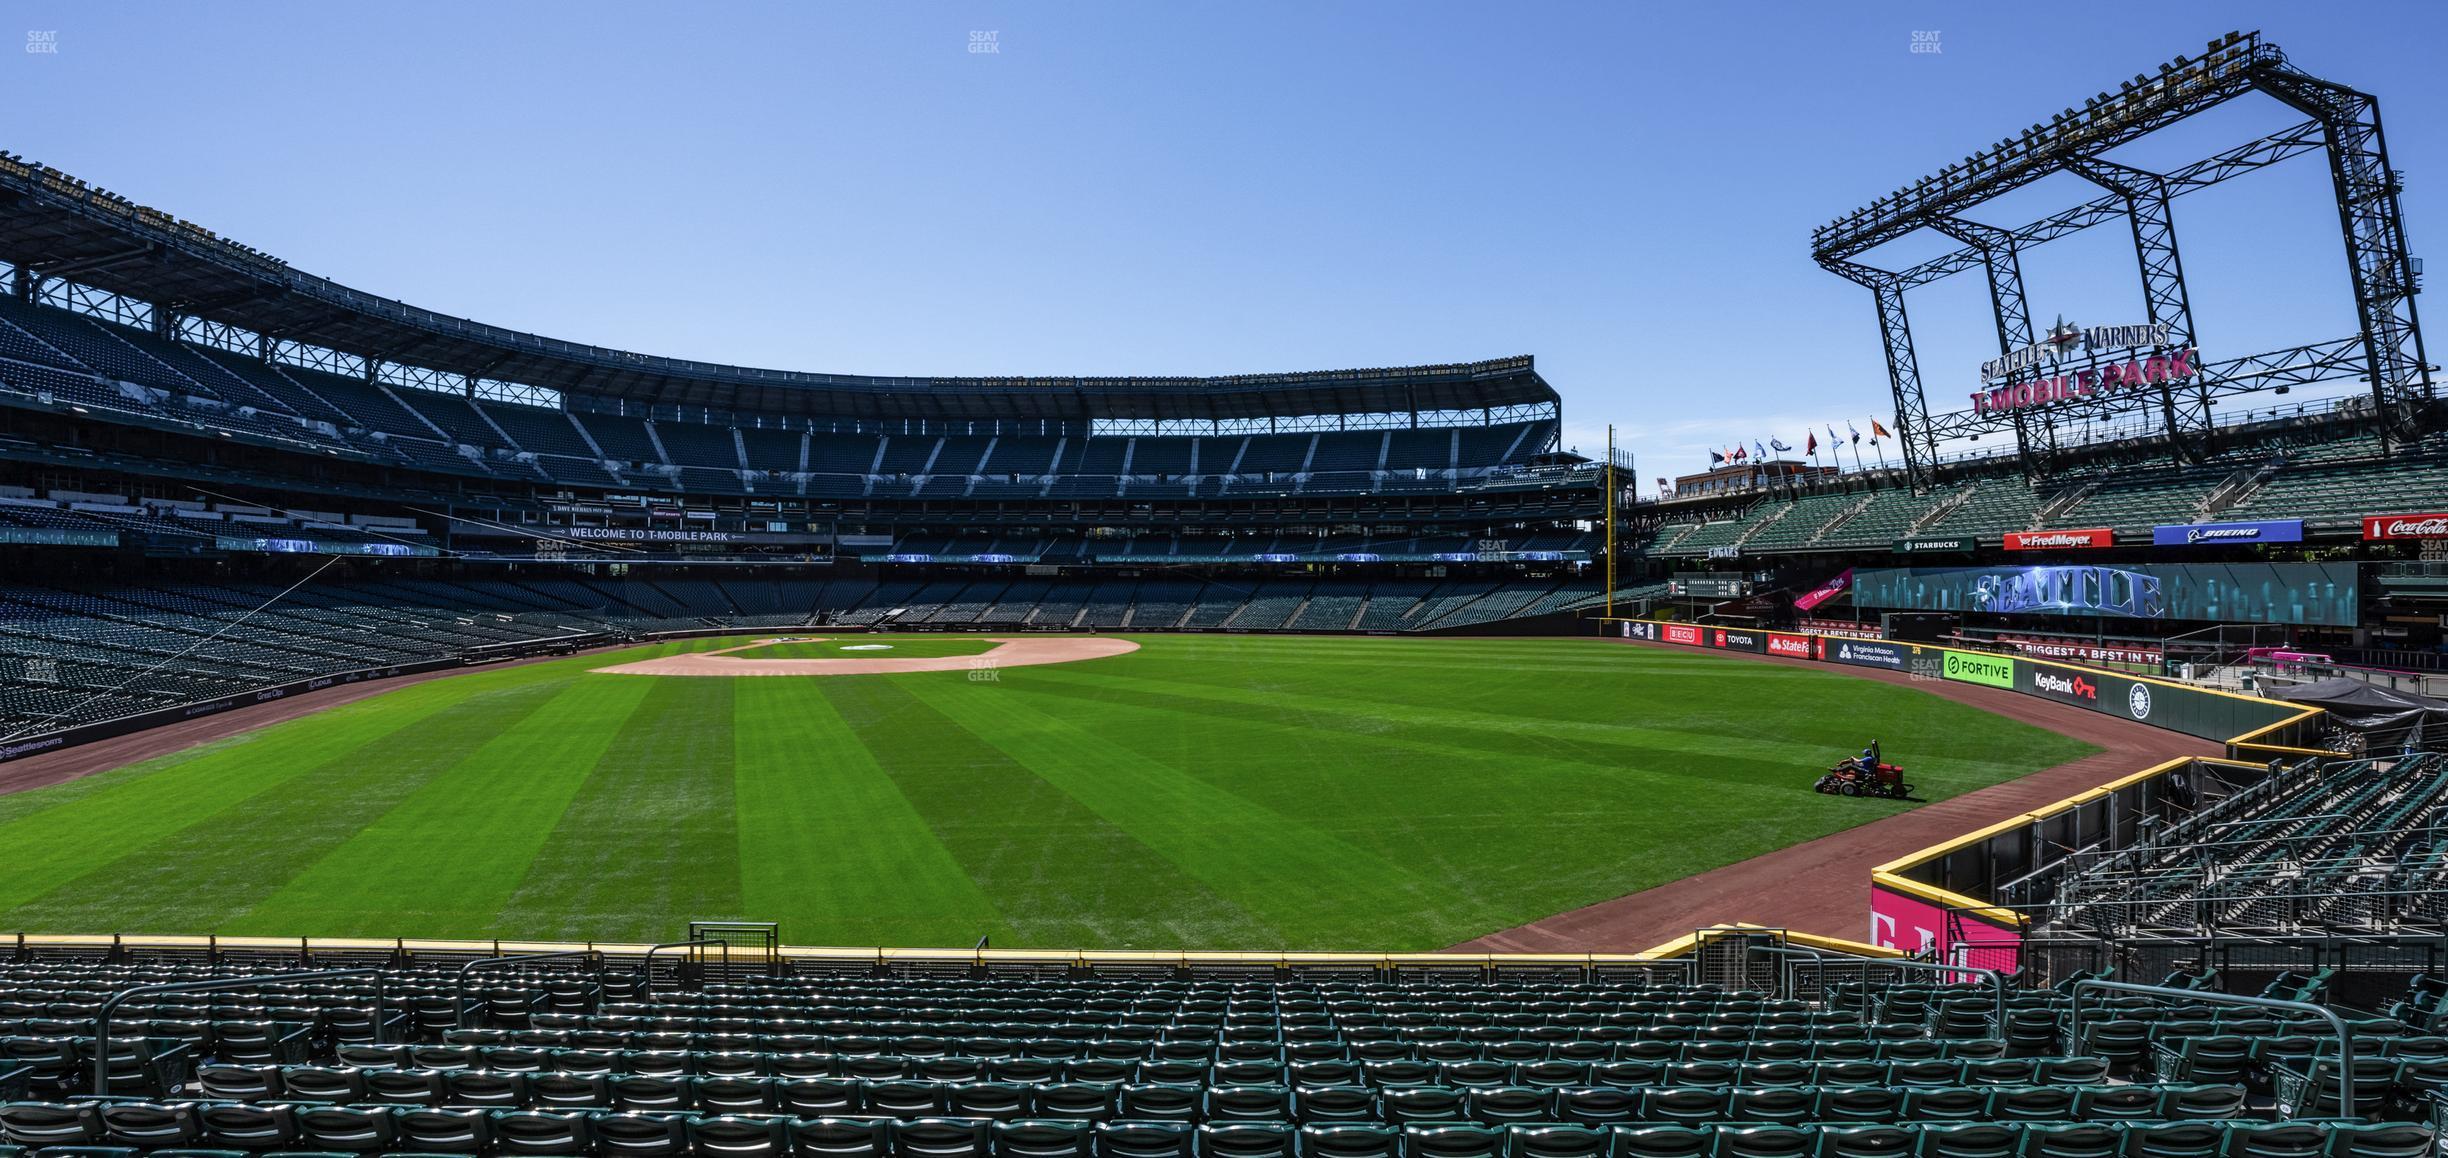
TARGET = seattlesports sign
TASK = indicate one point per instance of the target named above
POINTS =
(2065, 341)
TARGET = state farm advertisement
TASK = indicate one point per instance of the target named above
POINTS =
(2432, 526)
(2060, 540)
(1797, 646)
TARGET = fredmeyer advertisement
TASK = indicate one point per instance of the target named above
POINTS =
(2308, 593)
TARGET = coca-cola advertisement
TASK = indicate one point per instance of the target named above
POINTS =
(2432, 526)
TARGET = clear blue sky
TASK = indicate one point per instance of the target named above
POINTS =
(1624, 190)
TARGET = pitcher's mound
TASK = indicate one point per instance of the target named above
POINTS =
(1010, 651)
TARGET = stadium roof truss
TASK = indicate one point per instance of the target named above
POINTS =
(2345, 124)
(59, 236)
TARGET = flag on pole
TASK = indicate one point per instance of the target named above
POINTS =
(1739, 453)
(1811, 443)
(1856, 431)
(1778, 445)
(1758, 451)
(1717, 458)
(1877, 431)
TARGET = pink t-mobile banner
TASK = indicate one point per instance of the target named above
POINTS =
(1825, 591)
(1901, 921)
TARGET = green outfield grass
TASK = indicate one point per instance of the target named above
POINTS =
(872, 647)
(1203, 792)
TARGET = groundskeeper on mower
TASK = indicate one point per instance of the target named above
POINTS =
(1865, 775)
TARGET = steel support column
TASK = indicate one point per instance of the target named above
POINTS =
(1903, 370)
(2373, 226)
(2192, 435)
(2013, 315)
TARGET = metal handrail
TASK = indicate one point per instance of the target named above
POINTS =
(1997, 980)
(2345, 1032)
(101, 1070)
(460, 997)
(646, 970)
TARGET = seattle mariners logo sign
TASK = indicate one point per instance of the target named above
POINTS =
(2138, 701)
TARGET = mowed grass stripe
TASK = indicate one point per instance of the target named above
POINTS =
(1276, 867)
(445, 861)
(60, 833)
(1060, 874)
(1455, 801)
(1711, 729)
(651, 840)
(203, 875)
(1495, 833)
(827, 840)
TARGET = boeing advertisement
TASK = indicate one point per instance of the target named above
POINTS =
(2304, 593)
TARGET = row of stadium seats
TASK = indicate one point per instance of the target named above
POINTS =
(66, 654)
(2350, 845)
(1022, 1065)
(2329, 482)
(198, 1130)
(114, 369)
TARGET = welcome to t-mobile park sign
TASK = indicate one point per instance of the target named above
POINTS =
(2064, 341)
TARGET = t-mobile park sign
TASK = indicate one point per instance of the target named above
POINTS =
(2094, 381)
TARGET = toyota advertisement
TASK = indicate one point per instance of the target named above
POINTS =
(2324, 594)
(1734, 639)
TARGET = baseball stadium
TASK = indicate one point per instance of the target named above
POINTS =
(419, 736)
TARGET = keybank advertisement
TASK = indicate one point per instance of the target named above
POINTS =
(2310, 593)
